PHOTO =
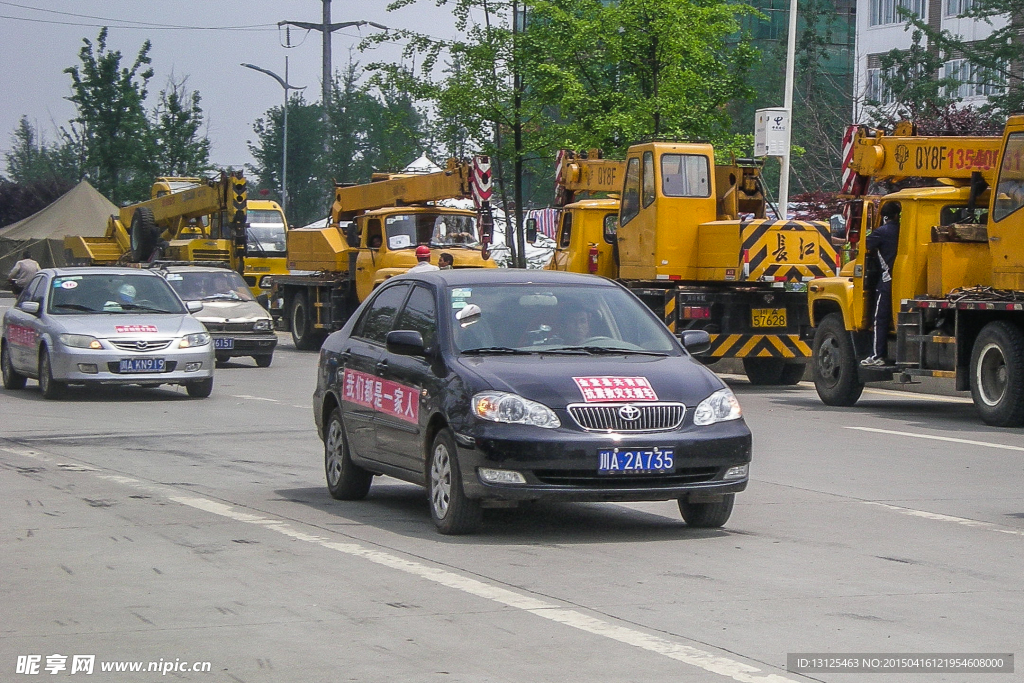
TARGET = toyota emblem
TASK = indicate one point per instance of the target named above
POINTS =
(629, 412)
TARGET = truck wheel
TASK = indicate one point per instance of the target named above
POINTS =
(792, 373)
(997, 374)
(707, 515)
(144, 234)
(12, 378)
(835, 363)
(451, 511)
(345, 479)
(303, 334)
(763, 371)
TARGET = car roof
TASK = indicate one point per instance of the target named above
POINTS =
(97, 270)
(459, 277)
(193, 269)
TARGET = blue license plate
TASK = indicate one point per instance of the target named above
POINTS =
(223, 343)
(137, 365)
(636, 460)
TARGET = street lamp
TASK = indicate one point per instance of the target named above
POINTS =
(284, 153)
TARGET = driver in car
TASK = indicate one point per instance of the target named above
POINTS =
(576, 327)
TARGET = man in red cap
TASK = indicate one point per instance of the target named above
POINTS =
(423, 260)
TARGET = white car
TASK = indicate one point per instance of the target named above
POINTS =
(104, 326)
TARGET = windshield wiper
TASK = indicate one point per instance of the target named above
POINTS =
(605, 350)
(76, 307)
(138, 307)
(497, 350)
(222, 295)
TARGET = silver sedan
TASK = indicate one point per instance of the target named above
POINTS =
(104, 326)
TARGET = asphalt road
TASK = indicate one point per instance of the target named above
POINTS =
(142, 526)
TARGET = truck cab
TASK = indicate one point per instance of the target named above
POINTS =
(585, 241)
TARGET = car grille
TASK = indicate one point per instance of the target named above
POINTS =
(612, 417)
(589, 478)
(229, 327)
(141, 345)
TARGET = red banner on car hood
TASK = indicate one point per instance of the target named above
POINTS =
(605, 389)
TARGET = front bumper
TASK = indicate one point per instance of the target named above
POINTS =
(562, 464)
(246, 344)
(66, 365)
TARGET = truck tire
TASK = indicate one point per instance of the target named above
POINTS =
(144, 234)
(763, 371)
(303, 332)
(997, 374)
(835, 363)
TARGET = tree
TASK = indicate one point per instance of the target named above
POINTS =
(111, 123)
(32, 159)
(177, 120)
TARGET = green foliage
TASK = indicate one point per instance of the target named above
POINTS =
(178, 118)
(111, 124)
(32, 160)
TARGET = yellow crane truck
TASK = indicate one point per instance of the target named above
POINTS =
(372, 235)
(691, 240)
(958, 276)
(266, 245)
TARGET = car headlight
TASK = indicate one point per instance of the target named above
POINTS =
(80, 341)
(266, 282)
(718, 407)
(197, 339)
(499, 406)
(262, 326)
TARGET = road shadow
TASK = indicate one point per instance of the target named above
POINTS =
(402, 509)
(104, 394)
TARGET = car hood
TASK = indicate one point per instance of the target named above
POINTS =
(222, 311)
(116, 325)
(557, 380)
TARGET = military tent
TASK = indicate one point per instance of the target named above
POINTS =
(81, 211)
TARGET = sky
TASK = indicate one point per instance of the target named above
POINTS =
(41, 38)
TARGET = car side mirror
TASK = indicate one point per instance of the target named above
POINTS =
(531, 230)
(405, 343)
(264, 301)
(194, 306)
(30, 307)
(695, 341)
(837, 226)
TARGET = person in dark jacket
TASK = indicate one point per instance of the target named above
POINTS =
(881, 244)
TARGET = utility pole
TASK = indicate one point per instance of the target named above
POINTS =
(327, 28)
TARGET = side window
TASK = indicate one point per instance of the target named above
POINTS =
(610, 224)
(376, 321)
(566, 233)
(647, 197)
(685, 175)
(374, 238)
(420, 314)
(1010, 188)
(33, 292)
(631, 192)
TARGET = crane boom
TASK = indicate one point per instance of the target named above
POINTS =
(892, 157)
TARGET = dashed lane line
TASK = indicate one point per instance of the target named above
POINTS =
(963, 521)
(931, 437)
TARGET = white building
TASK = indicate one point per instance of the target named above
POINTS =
(880, 29)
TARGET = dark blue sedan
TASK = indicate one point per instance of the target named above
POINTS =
(492, 387)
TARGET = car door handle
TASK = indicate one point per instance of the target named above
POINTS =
(382, 366)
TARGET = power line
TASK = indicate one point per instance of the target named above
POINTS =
(127, 24)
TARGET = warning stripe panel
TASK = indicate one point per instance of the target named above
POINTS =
(758, 345)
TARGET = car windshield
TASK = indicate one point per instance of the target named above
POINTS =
(406, 231)
(225, 285)
(503, 318)
(265, 234)
(111, 293)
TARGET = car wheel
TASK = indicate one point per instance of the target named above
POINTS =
(707, 515)
(200, 388)
(835, 363)
(12, 378)
(263, 361)
(345, 479)
(451, 511)
(223, 358)
(50, 388)
(997, 374)
(792, 373)
(763, 371)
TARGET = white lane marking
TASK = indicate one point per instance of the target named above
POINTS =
(255, 398)
(947, 518)
(707, 661)
(970, 442)
(881, 392)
